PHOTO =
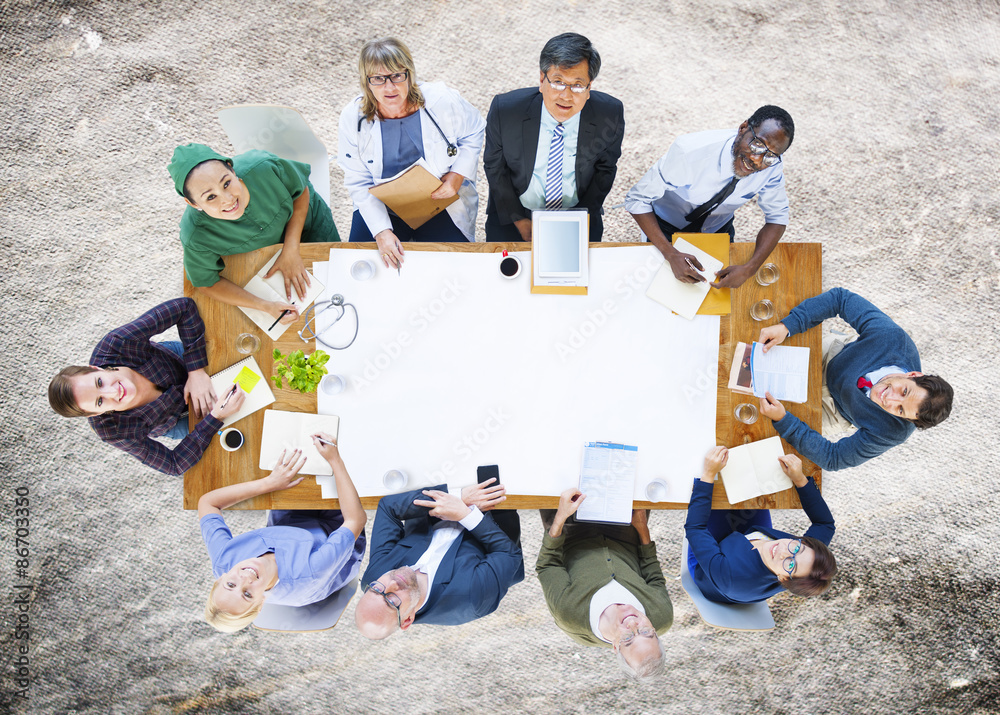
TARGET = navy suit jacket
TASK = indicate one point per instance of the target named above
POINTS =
(473, 576)
(512, 141)
(731, 571)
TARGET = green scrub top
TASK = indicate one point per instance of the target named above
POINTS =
(274, 183)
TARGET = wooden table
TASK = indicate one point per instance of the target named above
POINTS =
(801, 277)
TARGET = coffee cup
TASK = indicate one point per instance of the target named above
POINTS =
(232, 439)
(510, 267)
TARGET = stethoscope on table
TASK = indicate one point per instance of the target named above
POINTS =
(321, 306)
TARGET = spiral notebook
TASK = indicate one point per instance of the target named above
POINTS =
(248, 375)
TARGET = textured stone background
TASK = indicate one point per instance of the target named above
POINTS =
(893, 169)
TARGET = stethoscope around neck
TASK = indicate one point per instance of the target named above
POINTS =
(336, 303)
(452, 149)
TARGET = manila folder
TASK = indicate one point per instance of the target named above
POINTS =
(409, 195)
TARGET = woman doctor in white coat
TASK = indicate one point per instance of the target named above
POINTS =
(392, 124)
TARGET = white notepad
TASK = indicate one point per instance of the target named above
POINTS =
(607, 477)
(753, 470)
(251, 379)
(273, 289)
(290, 430)
(783, 371)
(684, 298)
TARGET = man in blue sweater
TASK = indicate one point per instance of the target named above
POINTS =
(875, 383)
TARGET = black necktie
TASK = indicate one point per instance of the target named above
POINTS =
(696, 219)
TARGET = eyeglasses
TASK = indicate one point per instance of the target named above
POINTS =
(789, 563)
(630, 636)
(758, 148)
(377, 80)
(391, 598)
(560, 86)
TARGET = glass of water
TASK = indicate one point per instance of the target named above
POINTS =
(247, 343)
(656, 490)
(746, 413)
(762, 310)
(362, 270)
(394, 480)
(768, 274)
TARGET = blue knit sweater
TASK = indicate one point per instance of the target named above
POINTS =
(880, 343)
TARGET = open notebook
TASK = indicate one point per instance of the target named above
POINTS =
(753, 470)
(290, 430)
(250, 377)
(273, 289)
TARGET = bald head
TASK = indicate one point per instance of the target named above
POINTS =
(374, 617)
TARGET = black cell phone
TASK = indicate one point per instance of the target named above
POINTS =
(490, 472)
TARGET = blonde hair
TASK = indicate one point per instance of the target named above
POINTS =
(394, 56)
(227, 622)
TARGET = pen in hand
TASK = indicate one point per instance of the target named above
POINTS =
(230, 394)
(283, 314)
(691, 265)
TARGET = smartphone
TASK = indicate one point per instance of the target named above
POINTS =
(490, 472)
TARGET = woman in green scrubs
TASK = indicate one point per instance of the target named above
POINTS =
(237, 205)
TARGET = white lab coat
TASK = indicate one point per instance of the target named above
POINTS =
(359, 153)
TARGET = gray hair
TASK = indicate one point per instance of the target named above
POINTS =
(567, 50)
(648, 670)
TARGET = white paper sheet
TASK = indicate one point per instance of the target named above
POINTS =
(684, 298)
(783, 371)
(455, 367)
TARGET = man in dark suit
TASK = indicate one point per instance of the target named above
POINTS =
(557, 147)
(438, 559)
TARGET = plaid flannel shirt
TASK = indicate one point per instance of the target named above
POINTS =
(130, 346)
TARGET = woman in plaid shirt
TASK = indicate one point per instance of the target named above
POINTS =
(136, 390)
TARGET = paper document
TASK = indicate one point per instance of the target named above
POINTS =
(608, 479)
(783, 371)
(248, 375)
(292, 430)
(684, 298)
(753, 470)
(273, 289)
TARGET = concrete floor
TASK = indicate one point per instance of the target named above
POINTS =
(893, 169)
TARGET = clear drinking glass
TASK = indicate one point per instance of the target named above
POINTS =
(762, 310)
(656, 490)
(362, 270)
(331, 384)
(247, 343)
(394, 480)
(768, 274)
(746, 413)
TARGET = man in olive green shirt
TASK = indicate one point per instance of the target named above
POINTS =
(604, 586)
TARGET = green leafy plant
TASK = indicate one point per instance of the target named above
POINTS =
(302, 372)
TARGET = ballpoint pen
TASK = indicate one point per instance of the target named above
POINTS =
(230, 394)
(325, 441)
(283, 314)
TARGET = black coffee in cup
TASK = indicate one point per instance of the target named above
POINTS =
(509, 266)
(234, 439)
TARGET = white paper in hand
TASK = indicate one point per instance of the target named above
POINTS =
(684, 298)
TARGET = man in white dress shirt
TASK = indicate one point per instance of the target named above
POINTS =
(703, 178)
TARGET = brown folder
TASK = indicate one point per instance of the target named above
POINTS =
(409, 196)
(717, 302)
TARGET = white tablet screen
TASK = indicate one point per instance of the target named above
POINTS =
(559, 248)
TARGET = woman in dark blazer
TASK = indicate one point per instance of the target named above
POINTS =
(737, 557)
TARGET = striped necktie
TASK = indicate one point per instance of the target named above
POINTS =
(554, 171)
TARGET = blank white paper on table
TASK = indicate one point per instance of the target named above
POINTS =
(455, 366)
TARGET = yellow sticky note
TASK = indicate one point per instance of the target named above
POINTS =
(247, 379)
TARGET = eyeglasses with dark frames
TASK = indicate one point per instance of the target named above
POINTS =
(759, 148)
(377, 80)
(391, 598)
(789, 563)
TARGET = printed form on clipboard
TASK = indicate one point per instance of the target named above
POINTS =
(607, 477)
